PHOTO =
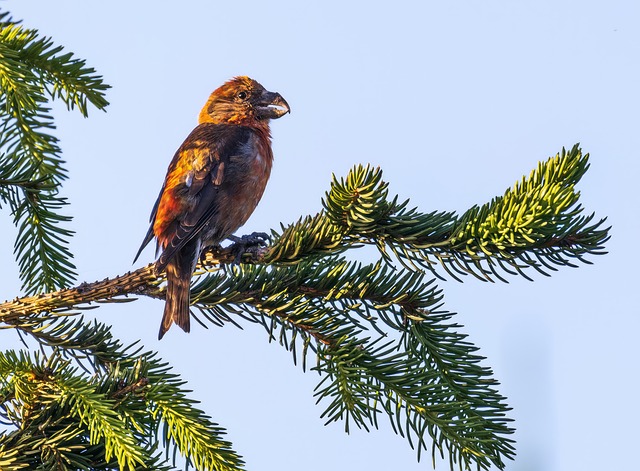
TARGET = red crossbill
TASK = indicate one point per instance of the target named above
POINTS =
(213, 184)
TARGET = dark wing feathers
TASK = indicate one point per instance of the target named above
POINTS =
(210, 146)
(152, 219)
(145, 242)
(189, 227)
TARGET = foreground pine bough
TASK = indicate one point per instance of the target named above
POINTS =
(378, 333)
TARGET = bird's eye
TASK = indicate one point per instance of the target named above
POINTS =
(243, 95)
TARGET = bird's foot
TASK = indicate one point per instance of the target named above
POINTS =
(251, 244)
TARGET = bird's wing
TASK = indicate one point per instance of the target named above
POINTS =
(188, 199)
(149, 236)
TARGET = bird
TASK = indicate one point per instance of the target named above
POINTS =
(213, 184)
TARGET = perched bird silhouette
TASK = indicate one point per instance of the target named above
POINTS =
(213, 184)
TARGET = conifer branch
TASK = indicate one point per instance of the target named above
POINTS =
(380, 338)
(62, 395)
(32, 72)
(428, 381)
(187, 428)
(536, 224)
(109, 411)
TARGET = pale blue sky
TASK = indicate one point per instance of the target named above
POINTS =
(455, 101)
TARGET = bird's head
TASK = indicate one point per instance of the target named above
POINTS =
(243, 101)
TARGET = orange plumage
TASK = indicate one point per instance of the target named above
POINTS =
(213, 184)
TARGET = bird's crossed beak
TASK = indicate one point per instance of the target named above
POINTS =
(271, 105)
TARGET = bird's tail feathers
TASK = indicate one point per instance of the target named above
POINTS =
(176, 308)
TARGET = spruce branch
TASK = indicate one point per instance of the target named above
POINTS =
(128, 375)
(117, 413)
(428, 380)
(185, 427)
(50, 392)
(537, 224)
(382, 342)
(32, 72)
